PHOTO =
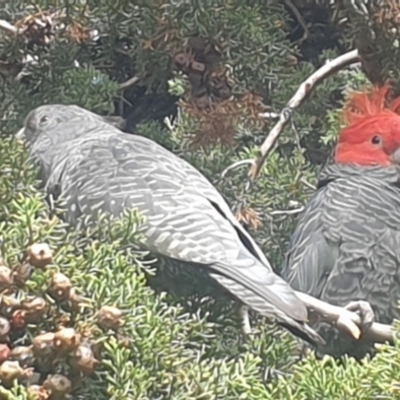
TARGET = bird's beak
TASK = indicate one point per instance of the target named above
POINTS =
(20, 134)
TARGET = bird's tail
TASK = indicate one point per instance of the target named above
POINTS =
(305, 332)
(258, 304)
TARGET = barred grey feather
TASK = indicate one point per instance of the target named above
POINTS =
(97, 168)
(346, 245)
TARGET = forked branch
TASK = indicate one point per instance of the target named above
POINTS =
(304, 90)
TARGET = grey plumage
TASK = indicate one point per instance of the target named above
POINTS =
(346, 245)
(97, 168)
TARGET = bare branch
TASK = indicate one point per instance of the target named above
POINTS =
(287, 212)
(269, 115)
(6, 26)
(346, 321)
(130, 82)
(302, 93)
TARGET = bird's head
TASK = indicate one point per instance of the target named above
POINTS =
(60, 123)
(46, 121)
(372, 133)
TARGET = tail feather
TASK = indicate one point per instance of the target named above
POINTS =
(303, 331)
(258, 304)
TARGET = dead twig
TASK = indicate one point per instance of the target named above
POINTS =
(300, 20)
(346, 320)
(130, 82)
(287, 212)
(308, 184)
(269, 115)
(302, 93)
(235, 165)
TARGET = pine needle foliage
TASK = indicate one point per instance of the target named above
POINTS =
(226, 62)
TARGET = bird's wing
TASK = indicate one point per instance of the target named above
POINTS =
(187, 220)
(310, 257)
(368, 262)
(347, 244)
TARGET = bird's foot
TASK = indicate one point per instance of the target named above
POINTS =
(245, 321)
(364, 311)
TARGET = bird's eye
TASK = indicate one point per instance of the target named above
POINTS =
(376, 140)
(44, 119)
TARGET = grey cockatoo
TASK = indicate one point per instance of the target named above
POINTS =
(95, 167)
(346, 246)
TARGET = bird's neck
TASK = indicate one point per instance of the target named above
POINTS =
(333, 171)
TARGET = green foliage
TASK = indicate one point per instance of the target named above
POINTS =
(374, 27)
(169, 352)
(370, 379)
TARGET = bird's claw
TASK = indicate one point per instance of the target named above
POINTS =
(364, 311)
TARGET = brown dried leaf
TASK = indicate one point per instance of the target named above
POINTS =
(78, 33)
(250, 217)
